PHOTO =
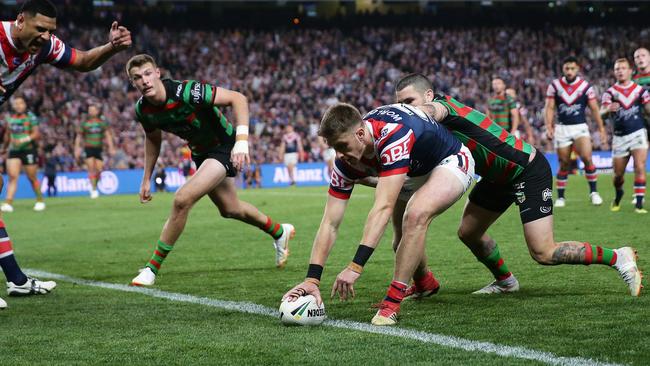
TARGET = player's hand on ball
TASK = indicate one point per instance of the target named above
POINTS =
(145, 192)
(344, 284)
(119, 37)
(302, 289)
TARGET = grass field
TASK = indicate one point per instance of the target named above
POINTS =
(566, 311)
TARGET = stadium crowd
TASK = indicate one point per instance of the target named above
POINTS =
(292, 76)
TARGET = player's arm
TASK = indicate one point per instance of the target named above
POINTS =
(119, 39)
(283, 146)
(6, 138)
(528, 128)
(301, 151)
(595, 114)
(386, 193)
(108, 136)
(435, 110)
(224, 97)
(608, 106)
(549, 117)
(321, 248)
(152, 141)
(514, 116)
(77, 144)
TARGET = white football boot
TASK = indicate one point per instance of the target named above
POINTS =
(3, 304)
(145, 278)
(5, 207)
(33, 286)
(595, 198)
(39, 206)
(560, 202)
(626, 258)
(281, 245)
(94, 194)
(508, 285)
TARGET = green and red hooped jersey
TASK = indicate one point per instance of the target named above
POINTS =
(499, 156)
(21, 126)
(188, 113)
(643, 80)
(500, 108)
(93, 129)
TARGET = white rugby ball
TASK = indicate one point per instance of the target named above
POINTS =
(303, 311)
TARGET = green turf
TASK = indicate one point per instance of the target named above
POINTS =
(572, 311)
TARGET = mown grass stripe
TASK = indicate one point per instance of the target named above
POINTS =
(251, 308)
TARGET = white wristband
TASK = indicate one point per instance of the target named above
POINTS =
(242, 130)
(241, 147)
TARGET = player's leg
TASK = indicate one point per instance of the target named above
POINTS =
(210, 174)
(562, 177)
(17, 282)
(486, 204)
(536, 215)
(99, 167)
(443, 188)
(584, 150)
(425, 284)
(639, 156)
(230, 206)
(13, 171)
(619, 162)
(31, 170)
(291, 160)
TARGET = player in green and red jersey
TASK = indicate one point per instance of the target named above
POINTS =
(189, 110)
(511, 171)
(21, 135)
(642, 62)
(94, 130)
(502, 108)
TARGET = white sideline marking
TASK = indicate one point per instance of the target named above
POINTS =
(247, 307)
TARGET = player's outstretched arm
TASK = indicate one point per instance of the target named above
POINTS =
(388, 189)
(323, 244)
(224, 97)
(119, 39)
(151, 151)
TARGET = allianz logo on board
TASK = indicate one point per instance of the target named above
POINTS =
(281, 175)
(108, 184)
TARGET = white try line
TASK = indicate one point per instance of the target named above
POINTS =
(438, 339)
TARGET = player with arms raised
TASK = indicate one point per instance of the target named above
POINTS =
(189, 110)
(27, 42)
(93, 131)
(625, 103)
(571, 95)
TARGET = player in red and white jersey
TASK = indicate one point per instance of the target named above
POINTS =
(571, 95)
(625, 103)
(26, 43)
(291, 151)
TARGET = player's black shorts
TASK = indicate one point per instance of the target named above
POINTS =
(94, 152)
(27, 157)
(220, 153)
(531, 191)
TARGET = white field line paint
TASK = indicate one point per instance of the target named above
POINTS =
(251, 308)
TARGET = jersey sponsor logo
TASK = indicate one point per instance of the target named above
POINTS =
(521, 197)
(394, 115)
(569, 110)
(545, 209)
(398, 150)
(627, 114)
(179, 89)
(109, 183)
(196, 93)
(547, 194)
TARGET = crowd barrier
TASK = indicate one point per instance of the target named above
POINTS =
(272, 176)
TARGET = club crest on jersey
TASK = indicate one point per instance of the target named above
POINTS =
(384, 132)
(521, 197)
(547, 194)
(16, 61)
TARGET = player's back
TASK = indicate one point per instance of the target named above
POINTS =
(401, 129)
(498, 155)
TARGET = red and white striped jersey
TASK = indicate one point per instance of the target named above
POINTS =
(16, 66)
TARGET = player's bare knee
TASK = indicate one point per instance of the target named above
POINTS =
(416, 218)
(182, 202)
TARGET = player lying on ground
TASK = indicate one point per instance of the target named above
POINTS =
(404, 148)
(189, 110)
(30, 42)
